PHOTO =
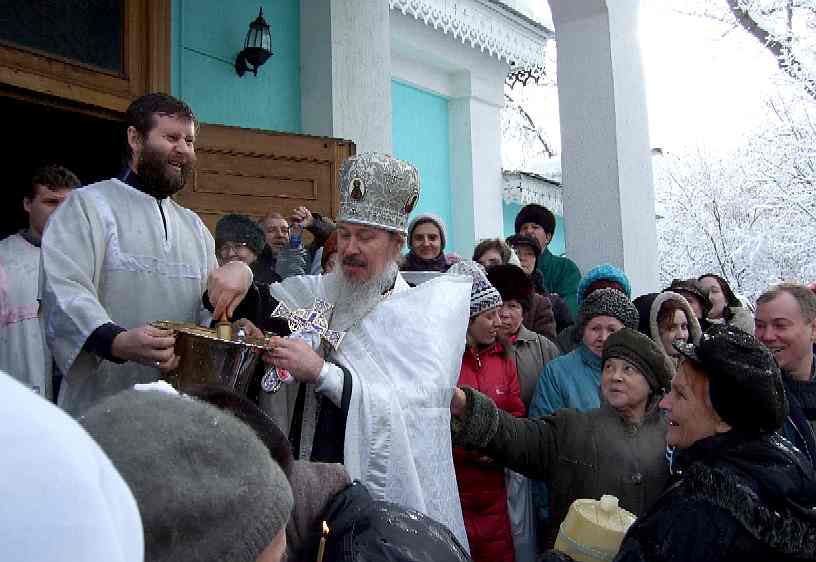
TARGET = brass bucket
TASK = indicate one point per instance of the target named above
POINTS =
(207, 359)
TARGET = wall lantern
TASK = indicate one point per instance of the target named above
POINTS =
(257, 47)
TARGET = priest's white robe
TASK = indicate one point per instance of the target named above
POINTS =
(110, 254)
(404, 358)
(23, 353)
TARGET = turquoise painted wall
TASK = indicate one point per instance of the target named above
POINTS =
(557, 245)
(207, 35)
(420, 135)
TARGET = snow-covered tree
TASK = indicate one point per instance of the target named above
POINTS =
(748, 215)
(529, 120)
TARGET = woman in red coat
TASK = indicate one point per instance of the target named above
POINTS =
(488, 367)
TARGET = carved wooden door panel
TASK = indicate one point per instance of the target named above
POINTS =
(251, 172)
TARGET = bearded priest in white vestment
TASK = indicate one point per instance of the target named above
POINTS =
(375, 385)
(119, 254)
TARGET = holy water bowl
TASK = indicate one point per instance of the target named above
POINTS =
(207, 359)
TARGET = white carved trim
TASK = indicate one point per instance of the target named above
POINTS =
(523, 189)
(485, 26)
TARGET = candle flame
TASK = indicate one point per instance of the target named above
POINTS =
(325, 529)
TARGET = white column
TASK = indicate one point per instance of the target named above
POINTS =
(609, 208)
(345, 81)
(475, 141)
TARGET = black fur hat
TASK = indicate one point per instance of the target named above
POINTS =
(537, 214)
(240, 228)
(511, 282)
(745, 383)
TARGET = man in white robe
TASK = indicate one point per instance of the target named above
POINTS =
(120, 254)
(23, 353)
(389, 379)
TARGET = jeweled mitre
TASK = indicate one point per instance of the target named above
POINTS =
(377, 190)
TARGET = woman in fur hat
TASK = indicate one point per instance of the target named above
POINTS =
(617, 448)
(531, 350)
(743, 494)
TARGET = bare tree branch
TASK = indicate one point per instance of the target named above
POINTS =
(530, 125)
(786, 60)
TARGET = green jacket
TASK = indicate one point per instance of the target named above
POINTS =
(578, 454)
(561, 276)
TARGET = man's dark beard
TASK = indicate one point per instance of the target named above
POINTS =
(156, 178)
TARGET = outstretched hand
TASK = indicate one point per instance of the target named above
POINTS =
(458, 403)
(227, 286)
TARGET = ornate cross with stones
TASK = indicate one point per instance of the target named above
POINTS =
(313, 320)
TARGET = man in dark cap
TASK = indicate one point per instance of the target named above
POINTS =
(561, 275)
(528, 250)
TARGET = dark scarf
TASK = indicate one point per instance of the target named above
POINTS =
(415, 263)
(29, 236)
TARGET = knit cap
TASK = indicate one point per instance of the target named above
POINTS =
(428, 217)
(644, 354)
(745, 384)
(603, 272)
(240, 228)
(207, 488)
(537, 214)
(483, 295)
(606, 302)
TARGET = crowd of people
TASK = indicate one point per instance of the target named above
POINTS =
(416, 406)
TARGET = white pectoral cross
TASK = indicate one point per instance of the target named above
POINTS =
(308, 324)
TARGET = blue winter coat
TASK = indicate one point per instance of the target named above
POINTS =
(570, 381)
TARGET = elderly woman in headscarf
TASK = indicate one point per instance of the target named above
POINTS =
(426, 245)
(572, 380)
(743, 492)
(617, 448)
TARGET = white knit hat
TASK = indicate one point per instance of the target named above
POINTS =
(483, 295)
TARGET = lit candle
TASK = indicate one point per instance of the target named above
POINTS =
(322, 546)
